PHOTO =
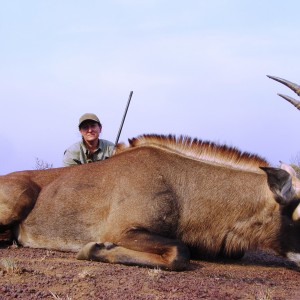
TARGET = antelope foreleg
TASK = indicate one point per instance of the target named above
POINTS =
(141, 249)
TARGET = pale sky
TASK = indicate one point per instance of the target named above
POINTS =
(196, 68)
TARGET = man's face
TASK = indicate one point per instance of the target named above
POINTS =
(90, 131)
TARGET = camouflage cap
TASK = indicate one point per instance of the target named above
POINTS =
(88, 116)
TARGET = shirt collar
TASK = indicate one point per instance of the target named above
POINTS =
(86, 150)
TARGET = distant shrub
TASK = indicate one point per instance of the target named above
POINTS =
(42, 165)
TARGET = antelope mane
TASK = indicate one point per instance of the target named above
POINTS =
(200, 150)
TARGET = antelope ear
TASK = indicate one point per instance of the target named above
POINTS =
(296, 186)
(280, 183)
(288, 168)
(295, 180)
(296, 213)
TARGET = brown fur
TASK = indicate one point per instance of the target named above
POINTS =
(152, 202)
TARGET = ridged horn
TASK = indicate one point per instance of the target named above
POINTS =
(293, 86)
(291, 100)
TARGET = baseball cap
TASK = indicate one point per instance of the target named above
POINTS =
(88, 116)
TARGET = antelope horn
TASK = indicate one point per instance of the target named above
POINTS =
(291, 100)
(293, 86)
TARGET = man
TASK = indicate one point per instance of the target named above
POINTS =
(90, 148)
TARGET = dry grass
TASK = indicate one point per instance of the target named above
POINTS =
(9, 266)
(265, 294)
(85, 274)
(155, 273)
(57, 297)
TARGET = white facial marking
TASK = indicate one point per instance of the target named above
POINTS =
(295, 257)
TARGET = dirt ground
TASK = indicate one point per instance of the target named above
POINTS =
(42, 274)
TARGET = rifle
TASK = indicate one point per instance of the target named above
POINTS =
(124, 116)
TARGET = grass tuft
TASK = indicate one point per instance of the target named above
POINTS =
(264, 295)
(155, 273)
(57, 297)
(9, 266)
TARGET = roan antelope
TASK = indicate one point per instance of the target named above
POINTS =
(155, 204)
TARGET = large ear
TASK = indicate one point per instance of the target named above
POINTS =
(296, 213)
(287, 168)
(295, 180)
(280, 183)
(296, 186)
